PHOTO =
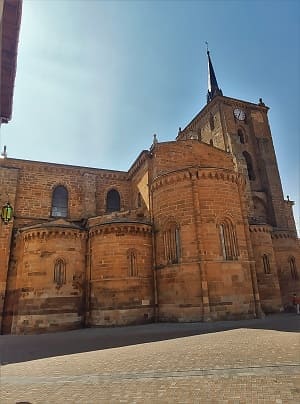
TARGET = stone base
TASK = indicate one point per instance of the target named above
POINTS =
(35, 324)
(117, 317)
(181, 314)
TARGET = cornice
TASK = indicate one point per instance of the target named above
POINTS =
(197, 173)
(48, 167)
(140, 160)
(121, 228)
(283, 234)
(53, 233)
(260, 228)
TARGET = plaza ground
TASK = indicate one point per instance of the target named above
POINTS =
(251, 361)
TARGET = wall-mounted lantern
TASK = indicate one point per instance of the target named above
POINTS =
(6, 213)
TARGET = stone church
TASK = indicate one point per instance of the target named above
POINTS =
(196, 230)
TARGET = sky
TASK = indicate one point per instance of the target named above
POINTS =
(96, 79)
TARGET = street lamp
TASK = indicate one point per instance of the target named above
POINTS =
(6, 213)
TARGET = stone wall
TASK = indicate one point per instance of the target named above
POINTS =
(120, 273)
(202, 284)
(39, 302)
(266, 272)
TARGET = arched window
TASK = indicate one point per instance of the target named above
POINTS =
(172, 243)
(248, 160)
(60, 202)
(113, 201)
(266, 264)
(242, 136)
(59, 272)
(228, 241)
(292, 264)
(132, 262)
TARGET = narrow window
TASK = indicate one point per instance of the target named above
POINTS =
(250, 169)
(211, 122)
(60, 272)
(113, 201)
(132, 263)
(266, 263)
(59, 202)
(241, 136)
(139, 200)
(171, 238)
(228, 241)
(294, 272)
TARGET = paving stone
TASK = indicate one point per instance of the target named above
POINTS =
(233, 366)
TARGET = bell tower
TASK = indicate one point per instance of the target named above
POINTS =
(241, 129)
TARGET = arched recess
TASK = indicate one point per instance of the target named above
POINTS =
(60, 199)
(266, 264)
(171, 242)
(260, 210)
(113, 201)
(249, 163)
(59, 273)
(132, 262)
(228, 240)
(293, 268)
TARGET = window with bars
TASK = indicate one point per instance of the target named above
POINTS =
(59, 202)
(266, 264)
(59, 272)
(228, 239)
(171, 239)
(132, 262)
(292, 264)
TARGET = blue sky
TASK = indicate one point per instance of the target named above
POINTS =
(96, 79)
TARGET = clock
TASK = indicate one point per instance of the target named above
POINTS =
(239, 114)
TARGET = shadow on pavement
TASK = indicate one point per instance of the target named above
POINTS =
(21, 348)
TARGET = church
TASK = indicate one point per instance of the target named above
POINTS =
(197, 229)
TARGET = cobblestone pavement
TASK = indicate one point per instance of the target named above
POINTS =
(242, 365)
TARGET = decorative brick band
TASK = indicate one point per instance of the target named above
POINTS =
(121, 228)
(258, 228)
(197, 173)
(283, 234)
(55, 233)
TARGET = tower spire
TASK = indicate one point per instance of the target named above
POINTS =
(213, 88)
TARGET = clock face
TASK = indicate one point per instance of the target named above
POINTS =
(239, 114)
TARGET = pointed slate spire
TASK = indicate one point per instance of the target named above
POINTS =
(213, 88)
